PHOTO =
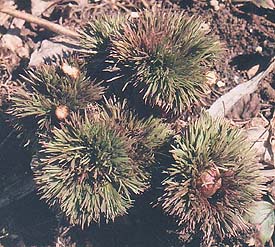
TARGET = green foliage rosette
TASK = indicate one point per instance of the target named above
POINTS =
(96, 35)
(47, 95)
(161, 55)
(212, 181)
(92, 166)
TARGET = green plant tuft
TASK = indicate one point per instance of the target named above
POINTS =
(91, 167)
(95, 36)
(48, 94)
(164, 56)
(212, 181)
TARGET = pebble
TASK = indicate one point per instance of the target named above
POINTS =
(220, 84)
(134, 15)
(259, 49)
(215, 4)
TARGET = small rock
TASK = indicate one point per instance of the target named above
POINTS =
(134, 15)
(15, 44)
(251, 241)
(23, 52)
(39, 7)
(11, 41)
(246, 108)
(220, 84)
(222, 6)
(257, 121)
(17, 24)
(259, 49)
(4, 17)
(46, 50)
(8, 59)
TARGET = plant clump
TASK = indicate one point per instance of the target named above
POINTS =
(47, 95)
(92, 166)
(212, 181)
(162, 55)
(96, 34)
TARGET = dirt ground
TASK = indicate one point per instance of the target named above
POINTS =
(248, 35)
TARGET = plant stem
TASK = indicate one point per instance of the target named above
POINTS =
(40, 22)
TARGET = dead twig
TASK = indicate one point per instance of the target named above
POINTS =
(40, 22)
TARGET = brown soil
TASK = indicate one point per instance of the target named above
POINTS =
(248, 35)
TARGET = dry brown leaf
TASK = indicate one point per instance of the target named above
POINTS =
(257, 133)
(211, 77)
(5, 17)
(262, 137)
(246, 108)
(252, 71)
(39, 6)
(268, 4)
(224, 104)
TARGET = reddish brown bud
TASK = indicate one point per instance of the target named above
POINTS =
(209, 182)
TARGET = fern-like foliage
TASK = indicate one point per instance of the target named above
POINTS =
(91, 167)
(211, 182)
